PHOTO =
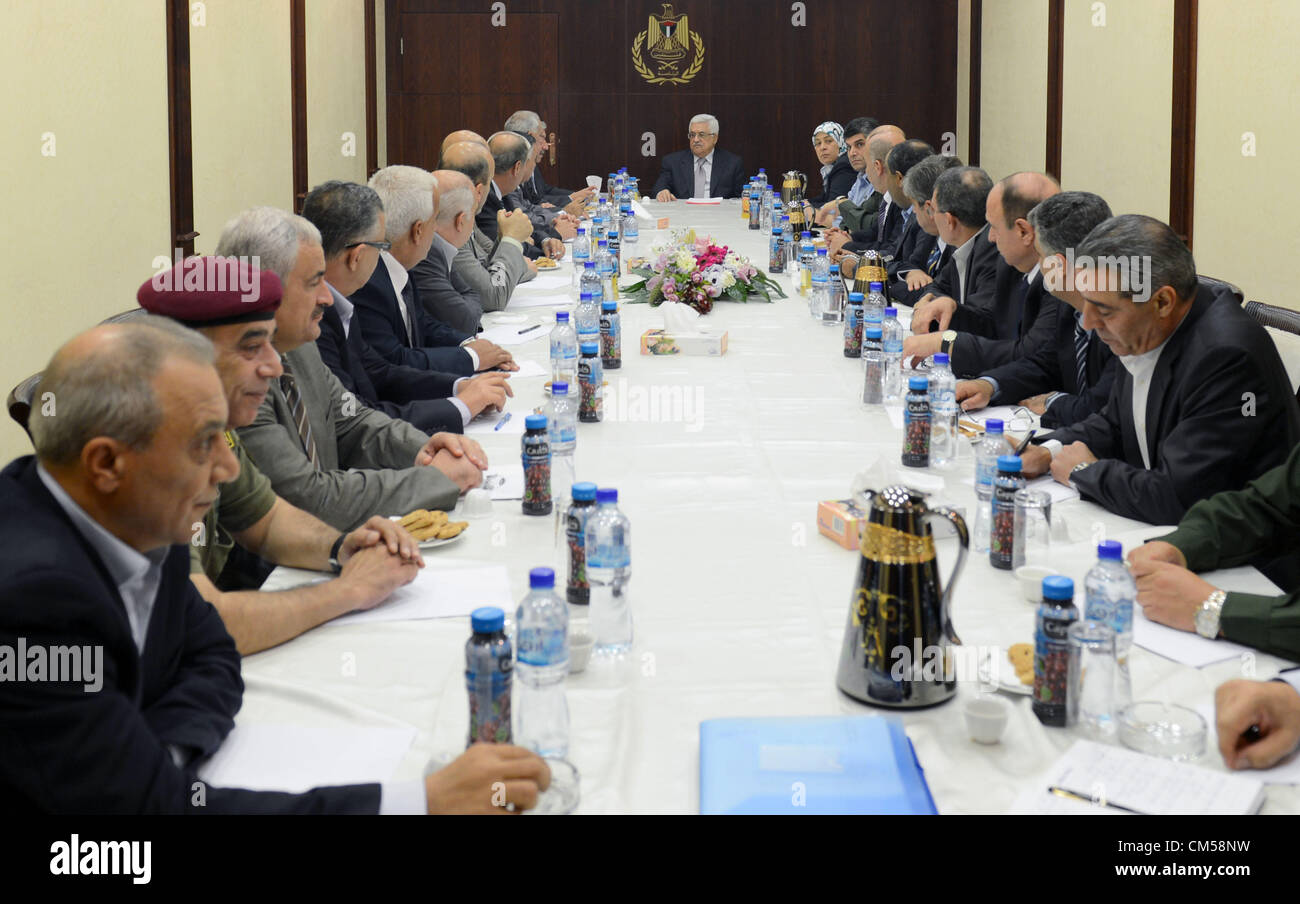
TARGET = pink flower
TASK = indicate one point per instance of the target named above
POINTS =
(697, 277)
(654, 282)
(670, 290)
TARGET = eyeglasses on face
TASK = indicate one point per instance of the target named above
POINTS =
(382, 246)
(700, 135)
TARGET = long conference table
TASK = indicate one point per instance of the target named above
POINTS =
(739, 603)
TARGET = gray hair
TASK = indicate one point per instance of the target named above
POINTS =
(109, 392)
(709, 120)
(523, 121)
(1146, 238)
(343, 212)
(919, 181)
(1064, 220)
(407, 196)
(507, 153)
(453, 201)
(269, 233)
(474, 164)
(962, 191)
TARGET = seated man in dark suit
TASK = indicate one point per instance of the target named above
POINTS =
(510, 158)
(881, 231)
(535, 188)
(903, 244)
(350, 218)
(548, 221)
(1021, 315)
(910, 272)
(1070, 377)
(1203, 403)
(703, 171)
(388, 307)
(95, 530)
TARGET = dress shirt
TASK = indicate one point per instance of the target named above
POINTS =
(135, 574)
(1291, 677)
(345, 309)
(959, 256)
(861, 190)
(397, 273)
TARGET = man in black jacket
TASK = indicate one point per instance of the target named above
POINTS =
(350, 218)
(703, 171)
(1203, 403)
(1070, 377)
(915, 268)
(94, 534)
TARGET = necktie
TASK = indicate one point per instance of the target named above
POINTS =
(299, 412)
(932, 263)
(880, 221)
(701, 180)
(408, 312)
(1081, 337)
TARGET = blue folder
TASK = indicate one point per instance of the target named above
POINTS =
(815, 765)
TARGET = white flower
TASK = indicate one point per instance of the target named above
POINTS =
(728, 280)
(685, 261)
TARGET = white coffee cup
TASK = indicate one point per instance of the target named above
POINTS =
(986, 718)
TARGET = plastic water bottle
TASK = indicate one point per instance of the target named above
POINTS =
(835, 300)
(562, 413)
(1002, 527)
(614, 245)
(891, 344)
(602, 206)
(543, 664)
(598, 232)
(873, 360)
(587, 317)
(943, 401)
(807, 251)
(876, 300)
(489, 662)
(564, 349)
(591, 383)
(581, 254)
(605, 268)
(916, 424)
(819, 298)
(776, 250)
(611, 336)
(853, 326)
(1110, 592)
(590, 283)
(578, 590)
(755, 207)
(609, 569)
(762, 177)
(535, 451)
(631, 229)
(765, 212)
(987, 451)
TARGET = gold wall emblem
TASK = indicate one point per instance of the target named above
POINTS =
(668, 40)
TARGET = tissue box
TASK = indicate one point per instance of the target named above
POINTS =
(661, 342)
(841, 520)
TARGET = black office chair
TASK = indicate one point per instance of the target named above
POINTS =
(1220, 284)
(19, 402)
(1283, 319)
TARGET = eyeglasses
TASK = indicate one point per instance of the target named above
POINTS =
(700, 135)
(382, 246)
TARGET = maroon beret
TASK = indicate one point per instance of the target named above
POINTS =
(211, 291)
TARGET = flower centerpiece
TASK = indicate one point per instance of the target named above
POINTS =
(697, 272)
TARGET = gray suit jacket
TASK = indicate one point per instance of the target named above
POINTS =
(491, 273)
(367, 459)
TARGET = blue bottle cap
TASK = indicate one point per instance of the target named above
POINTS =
(582, 230)
(586, 296)
(562, 316)
(559, 387)
(591, 265)
(855, 298)
(806, 234)
(993, 425)
(583, 491)
(541, 578)
(602, 243)
(535, 422)
(891, 312)
(875, 286)
(941, 359)
(595, 220)
(1058, 587)
(589, 348)
(835, 268)
(785, 217)
(606, 494)
(762, 171)
(918, 384)
(821, 252)
(1010, 463)
(873, 332)
(609, 305)
(1110, 549)
(487, 620)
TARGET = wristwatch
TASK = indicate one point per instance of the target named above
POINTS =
(949, 337)
(335, 565)
(1207, 617)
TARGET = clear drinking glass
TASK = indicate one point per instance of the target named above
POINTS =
(1090, 697)
(1033, 528)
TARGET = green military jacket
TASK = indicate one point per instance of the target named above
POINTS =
(242, 503)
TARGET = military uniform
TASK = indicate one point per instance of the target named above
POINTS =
(242, 503)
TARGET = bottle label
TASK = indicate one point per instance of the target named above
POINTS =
(590, 377)
(1002, 529)
(609, 555)
(916, 432)
(543, 646)
(575, 533)
(1052, 664)
(611, 339)
(537, 472)
(488, 682)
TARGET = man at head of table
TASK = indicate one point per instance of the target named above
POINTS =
(703, 171)
(94, 558)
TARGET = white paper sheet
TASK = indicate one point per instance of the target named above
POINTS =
(550, 299)
(640, 211)
(1286, 772)
(550, 281)
(504, 481)
(1044, 484)
(500, 423)
(296, 758)
(515, 334)
(439, 593)
(530, 368)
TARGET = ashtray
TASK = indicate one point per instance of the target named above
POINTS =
(1166, 730)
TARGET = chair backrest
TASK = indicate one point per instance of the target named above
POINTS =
(1222, 284)
(1271, 315)
(1283, 326)
(19, 402)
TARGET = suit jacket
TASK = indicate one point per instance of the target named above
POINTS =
(367, 459)
(868, 237)
(486, 220)
(1016, 322)
(66, 750)
(981, 273)
(443, 292)
(491, 272)
(1201, 437)
(726, 176)
(837, 182)
(544, 193)
(419, 397)
(916, 260)
(854, 217)
(433, 345)
(1052, 367)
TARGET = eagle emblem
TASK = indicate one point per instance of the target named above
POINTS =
(668, 40)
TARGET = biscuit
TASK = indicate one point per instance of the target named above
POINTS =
(419, 516)
(452, 529)
(1021, 655)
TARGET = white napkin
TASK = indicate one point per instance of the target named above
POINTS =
(680, 319)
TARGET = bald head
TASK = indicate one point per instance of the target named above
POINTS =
(456, 206)
(1007, 211)
(510, 154)
(880, 142)
(462, 135)
(1021, 192)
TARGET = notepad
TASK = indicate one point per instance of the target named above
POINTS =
(1143, 783)
(296, 758)
(813, 765)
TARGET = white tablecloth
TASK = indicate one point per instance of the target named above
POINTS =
(740, 604)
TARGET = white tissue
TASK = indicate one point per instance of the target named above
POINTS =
(680, 319)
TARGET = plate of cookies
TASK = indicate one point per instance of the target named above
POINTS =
(1014, 672)
(546, 263)
(432, 527)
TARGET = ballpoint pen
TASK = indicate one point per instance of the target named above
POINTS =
(501, 423)
(535, 326)
(1084, 798)
(1021, 448)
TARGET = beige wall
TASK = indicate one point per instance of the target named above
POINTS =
(241, 108)
(1013, 86)
(1247, 79)
(1115, 109)
(86, 222)
(336, 91)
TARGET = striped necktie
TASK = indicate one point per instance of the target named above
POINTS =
(880, 221)
(1081, 338)
(299, 412)
(932, 263)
